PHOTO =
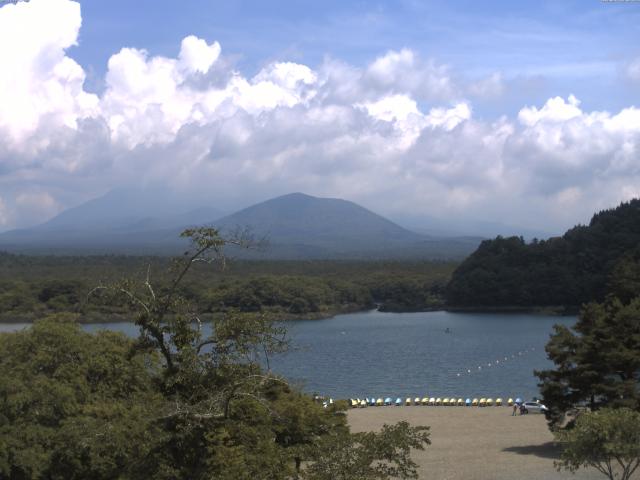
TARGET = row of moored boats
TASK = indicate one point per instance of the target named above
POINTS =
(433, 401)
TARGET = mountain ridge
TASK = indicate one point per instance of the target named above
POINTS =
(297, 225)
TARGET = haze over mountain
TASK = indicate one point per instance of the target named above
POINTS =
(297, 226)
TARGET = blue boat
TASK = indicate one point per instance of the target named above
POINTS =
(372, 402)
(398, 402)
(388, 401)
(518, 400)
(467, 402)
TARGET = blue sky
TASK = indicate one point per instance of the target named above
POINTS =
(518, 112)
(544, 48)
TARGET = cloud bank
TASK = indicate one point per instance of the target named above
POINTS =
(398, 135)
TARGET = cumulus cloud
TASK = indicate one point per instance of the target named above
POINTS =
(39, 83)
(396, 134)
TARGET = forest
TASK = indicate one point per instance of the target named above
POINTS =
(33, 286)
(585, 264)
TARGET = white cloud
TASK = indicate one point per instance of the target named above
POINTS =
(404, 72)
(395, 134)
(489, 87)
(38, 82)
(555, 110)
(197, 56)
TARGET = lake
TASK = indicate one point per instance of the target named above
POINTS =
(411, 354)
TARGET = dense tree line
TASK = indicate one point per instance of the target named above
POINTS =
(581, 266)
(31, 287)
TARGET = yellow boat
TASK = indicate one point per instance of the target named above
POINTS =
(510, 402)
(474, 402)
(432, 401)
(498, 402)
(407, 402)
(483, 402)
(353, 402)
(416, 401)
(438, 401)
(460, 402)
(379, 402)
(363, 403)
(489, 402)
(445, 401)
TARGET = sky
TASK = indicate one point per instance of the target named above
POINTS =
(525, 113)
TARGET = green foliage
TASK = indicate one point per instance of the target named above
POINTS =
(74, 405)
(597, 362)
(31, 287)
(175, 403)
(607, 440)
(568, 270)
(370, 455)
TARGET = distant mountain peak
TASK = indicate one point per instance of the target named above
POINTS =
(297, 225)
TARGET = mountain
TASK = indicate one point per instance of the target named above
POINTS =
(583, 265)
(121, 221)
(299, 226)
(296, 226)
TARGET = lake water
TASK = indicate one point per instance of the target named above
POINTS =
(411, 354)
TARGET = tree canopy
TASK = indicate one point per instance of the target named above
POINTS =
(597, 362)
(179, 402)
(561, 271)
(607, 440)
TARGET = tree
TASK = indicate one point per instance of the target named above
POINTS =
(190, 398)
(607, 440)
(369, 455)
(75, 405)
(597, 362)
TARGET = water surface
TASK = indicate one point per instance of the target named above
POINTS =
(411, 354)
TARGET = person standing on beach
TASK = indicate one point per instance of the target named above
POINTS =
(515, 409)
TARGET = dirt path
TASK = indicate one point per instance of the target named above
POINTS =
(476, 443)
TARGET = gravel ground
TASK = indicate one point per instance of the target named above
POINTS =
(476, 443)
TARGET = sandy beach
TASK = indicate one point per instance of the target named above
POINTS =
(476, 443)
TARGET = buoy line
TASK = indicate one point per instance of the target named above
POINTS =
(499, 361)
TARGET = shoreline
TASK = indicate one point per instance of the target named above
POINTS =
(90, 319)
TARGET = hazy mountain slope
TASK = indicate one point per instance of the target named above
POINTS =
(297, 226)
(302, 226)
(122, 220)
(300, 218)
